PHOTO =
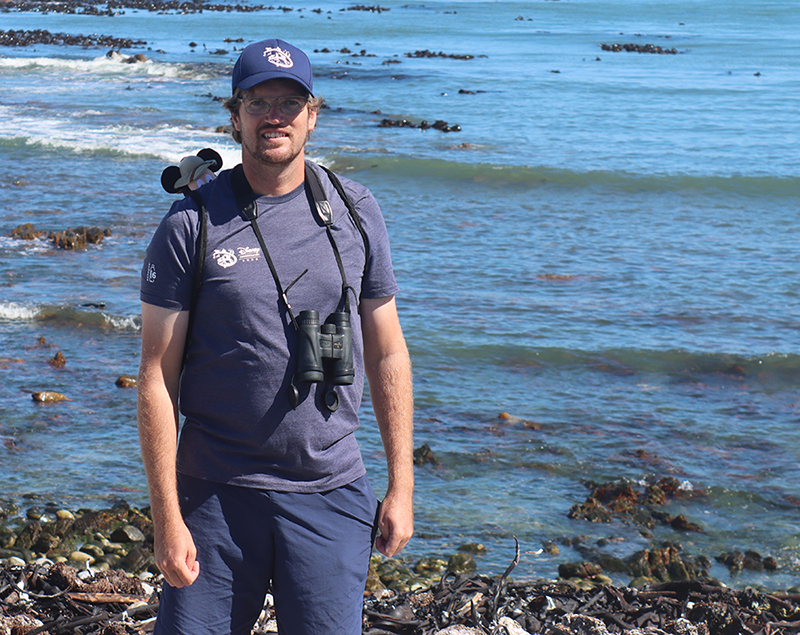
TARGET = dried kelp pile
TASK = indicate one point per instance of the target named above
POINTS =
(475, 605)
(57, 599)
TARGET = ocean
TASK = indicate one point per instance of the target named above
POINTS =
(599, 262)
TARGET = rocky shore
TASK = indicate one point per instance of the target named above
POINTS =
(58, 598)
(93, 571)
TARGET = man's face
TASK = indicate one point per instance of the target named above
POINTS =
(273, 137)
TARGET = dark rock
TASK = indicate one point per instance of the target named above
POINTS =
(461, 562)
(423, 125)
(680, 523)
(79, 237)
(138, 559)
(48, 396)
(128, 533)
(58, 361)
(430, 54)
(26, 232)
(638, 48)
(423, 455)
(581, 570)
(38, 36)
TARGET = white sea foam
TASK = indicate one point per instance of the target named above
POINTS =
(124, 322)
(167, 142)
(17, 312)
(103, 65)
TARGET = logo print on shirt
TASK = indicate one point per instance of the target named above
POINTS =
(225, 257)
(151, 273)
(249, 254)
(278, 57)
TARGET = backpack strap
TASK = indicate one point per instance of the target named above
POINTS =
(246, 203)
(199, 264)
(337, 184)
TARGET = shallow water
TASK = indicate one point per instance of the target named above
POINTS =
(609, 252)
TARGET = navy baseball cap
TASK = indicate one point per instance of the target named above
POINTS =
(272, 59)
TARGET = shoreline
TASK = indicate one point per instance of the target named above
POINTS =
(121, 537)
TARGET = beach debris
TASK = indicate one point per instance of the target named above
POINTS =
(462, 604)
(48, 396)
(95, 570)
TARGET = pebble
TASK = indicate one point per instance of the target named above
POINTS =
(81, 557)
(126, 381)
(48, 396)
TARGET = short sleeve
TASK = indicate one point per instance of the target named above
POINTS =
(167, 272)
(379, 279)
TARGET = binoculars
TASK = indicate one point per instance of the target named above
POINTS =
(325, 352)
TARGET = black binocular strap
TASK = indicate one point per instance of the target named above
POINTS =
(245, 200)
(325, 214)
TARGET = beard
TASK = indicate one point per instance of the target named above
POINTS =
(267, 154)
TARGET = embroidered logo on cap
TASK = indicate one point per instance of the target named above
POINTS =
(278, 57)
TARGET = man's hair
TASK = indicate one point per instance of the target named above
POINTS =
(234, 101)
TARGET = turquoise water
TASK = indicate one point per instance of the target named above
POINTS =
(607, 251)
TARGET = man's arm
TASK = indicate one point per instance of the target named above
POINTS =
(388, 369)
(163, 337)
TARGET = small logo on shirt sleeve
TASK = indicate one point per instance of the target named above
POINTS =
(150, 276)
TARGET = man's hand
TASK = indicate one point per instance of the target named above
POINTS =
(176, 555)
(396, 525)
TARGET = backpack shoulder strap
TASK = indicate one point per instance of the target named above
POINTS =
(199, 263)
(337, 184)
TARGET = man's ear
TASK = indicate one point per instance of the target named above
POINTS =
(235, 121)
(312, 120)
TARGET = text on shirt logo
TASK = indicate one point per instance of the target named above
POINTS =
(249, 253)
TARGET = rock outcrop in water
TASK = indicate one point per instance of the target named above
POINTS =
(77, 238)
(639, 48)
(39, 36)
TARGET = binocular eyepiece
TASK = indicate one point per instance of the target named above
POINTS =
(325, 352)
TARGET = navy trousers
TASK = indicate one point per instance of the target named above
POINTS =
(311, 551)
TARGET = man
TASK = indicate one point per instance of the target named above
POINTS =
(264, 488)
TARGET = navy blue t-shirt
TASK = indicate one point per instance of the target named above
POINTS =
(239, 425)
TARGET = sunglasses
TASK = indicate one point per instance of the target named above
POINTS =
(289, 106)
